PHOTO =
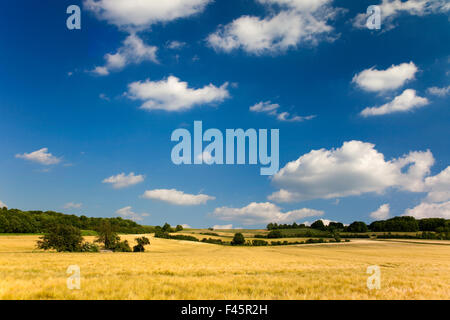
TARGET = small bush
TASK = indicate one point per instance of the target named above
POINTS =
(89, 247)
(260, 236)
(259, 243)
(61, 238)
(274, 234)
(161, 234)
(122, 246)
(211, 240)
(141, 243)
(238, 239)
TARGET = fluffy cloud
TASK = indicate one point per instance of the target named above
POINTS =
(122, 180)
(430, 210)
(406, 101)
(128, 213)
(72, 205)
(438, 186)
(272, 109)
(175, 45)
(177, 197)
(326, 222)
(437, 202)
(266, 212)
(390, 9)
(381, 213)
(3, 205)
(355, 168)
(142, 14)
(297, 21)
(41, 156)
(441, 92)
(172, 94)
(381, 80)
(222, 227)
(133, 50)
(186, 226)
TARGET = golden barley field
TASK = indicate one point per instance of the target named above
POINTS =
(172, 269)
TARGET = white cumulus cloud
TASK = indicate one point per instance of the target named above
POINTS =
(406, 101)
(441, 92)
(272, 109)
(390, 9)
(72, 205)
(430, 210)
(128, 213)
(265, 212)
(176, 197)
(171, 94)
(381, 80)
(122, 180)
(133, 50)
(41, 156)
(438, 186)
(355, 168)
(3, 205)
(143, 13)
(437, 202)
(295, 22)
(381, 213)
(222, 227)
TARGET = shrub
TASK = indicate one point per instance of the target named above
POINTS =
(89, 247)
(122, 246)
(318, 225)
(107, 236)
(141, 243)
(274, 234)
(61, 238)
(238, 239)
(167, 228)
(210, 234)
(214, 241)
(259, 243)
(357, 226)
(261, 236)
(183, 237)
(161, 234)
(179, 228)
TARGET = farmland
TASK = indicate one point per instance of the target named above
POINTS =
(172, 269)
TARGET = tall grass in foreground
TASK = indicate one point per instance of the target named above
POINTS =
(171, 269)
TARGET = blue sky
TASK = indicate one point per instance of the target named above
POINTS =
(58, 91)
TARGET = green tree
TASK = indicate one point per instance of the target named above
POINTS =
(61, 238)
(141, 243)
(122, 246)
(358, 226)
(179, 228)
(166, 227)
(238, 239)
(107, 236)
(318, 225)
(275, 234)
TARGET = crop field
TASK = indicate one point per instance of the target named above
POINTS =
(172, 269)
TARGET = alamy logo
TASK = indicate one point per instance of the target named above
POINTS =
(74, 20)
(74, 280)
(374, 281)
(373, 18)
(235, 141)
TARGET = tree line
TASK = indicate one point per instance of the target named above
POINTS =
(17, 221)
(67, 238)
(396, 224)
